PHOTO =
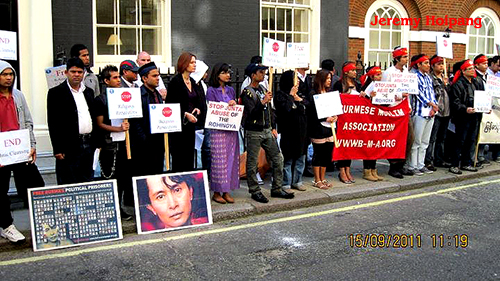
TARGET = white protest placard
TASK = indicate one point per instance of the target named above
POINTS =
(221, 116)
(328, 104)
(8, 45)
(55, 75)
(408, 83)
(273, 52)
(493, 85)
(297, 55)
(201, 69)
(482, 101)
(385, 92)
(15, 147)
(490, 125)
(444, 47)
(165, 118)
(124, 103)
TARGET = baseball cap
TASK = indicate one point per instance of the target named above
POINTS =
(254, 67)
(129, 65)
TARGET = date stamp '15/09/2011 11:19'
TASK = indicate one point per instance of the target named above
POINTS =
(404, 241)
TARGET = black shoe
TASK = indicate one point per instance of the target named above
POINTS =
(443, 165)
(396, 174)
(125, 216)
(407, 172)
(455, 170)
(469, 168)
(280, 193)
(259, 197)
(430, 167)
(485, 162)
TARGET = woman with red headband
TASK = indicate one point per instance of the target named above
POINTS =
(373, 73)
(347, 85)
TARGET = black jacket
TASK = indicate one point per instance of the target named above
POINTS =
(62, 117)
(462, 97)
(141, 138)
(314, 128)
(178, 93)
(254, 117)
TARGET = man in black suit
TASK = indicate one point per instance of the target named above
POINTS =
(128, 73)
(69, 117)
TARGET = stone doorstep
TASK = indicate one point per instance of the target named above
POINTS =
(245, 206)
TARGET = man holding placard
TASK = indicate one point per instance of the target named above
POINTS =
(259, 124)
(464, 117)
(14, 117)
(424, 106)
(481, 64)
(147, 148)
(113, 155)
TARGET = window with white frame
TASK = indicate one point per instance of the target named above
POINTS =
(482, 40)
(127, 27)
(381, 39)
(286, 20)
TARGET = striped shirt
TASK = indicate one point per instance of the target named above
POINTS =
(425, 95)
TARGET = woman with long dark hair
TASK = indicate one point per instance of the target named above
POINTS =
(224, 145)
(182, 89)
(320, 131)
(347, 85)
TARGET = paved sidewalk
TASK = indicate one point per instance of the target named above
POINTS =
(245, 206)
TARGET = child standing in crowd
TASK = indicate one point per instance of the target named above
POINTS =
(347, 85)
(320, 131)
(224, 145)
(373, 74)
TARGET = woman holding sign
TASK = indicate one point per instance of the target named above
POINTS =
(320, 131)
(224, 145)
(183, 90)
(347, 85)
(373, 73)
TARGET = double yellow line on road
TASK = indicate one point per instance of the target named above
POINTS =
(238, 227)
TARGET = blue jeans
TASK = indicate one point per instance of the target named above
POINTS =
(293, 170)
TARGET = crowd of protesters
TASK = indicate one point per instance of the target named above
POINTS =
(78, 122)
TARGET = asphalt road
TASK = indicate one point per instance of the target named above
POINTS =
(306, 244)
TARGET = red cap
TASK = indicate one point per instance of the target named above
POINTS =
(373, 71)
(348, 67)
(464, 66)
(480, 60)
(436, 60)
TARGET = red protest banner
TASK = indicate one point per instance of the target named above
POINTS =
(367, 131)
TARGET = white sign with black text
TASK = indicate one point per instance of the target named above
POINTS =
(165, 118)
(15, 147)
(482, 101)
(221, 116)
(124, 103)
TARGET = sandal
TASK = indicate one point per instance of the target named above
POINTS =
(320, 185)
(325, 182)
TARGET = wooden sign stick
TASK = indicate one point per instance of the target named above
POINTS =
(127, 142)
(337, 144)
(167, 153)
(271, 72)
(296, 78)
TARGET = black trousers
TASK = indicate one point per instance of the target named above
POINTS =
(25, 176)
(182, 149)
(76, 167)
(115, 165)
(466, 131)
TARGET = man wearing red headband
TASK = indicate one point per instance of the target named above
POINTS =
(481, 64)
(464, 117)
(424, 106)
(435, 151)
(400, 60)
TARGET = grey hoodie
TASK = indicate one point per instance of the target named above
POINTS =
(23, 112)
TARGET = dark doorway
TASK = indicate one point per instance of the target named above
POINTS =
(9, 22)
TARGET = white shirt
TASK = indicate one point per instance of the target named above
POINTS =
(386, 77)
(84, 119)
(130, 85)
(302, 77)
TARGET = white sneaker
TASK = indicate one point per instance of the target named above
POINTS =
(12, 234)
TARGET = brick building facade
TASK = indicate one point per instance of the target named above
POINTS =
(421, 39)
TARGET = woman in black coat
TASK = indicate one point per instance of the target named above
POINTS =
(182, 89)
(292, 125)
